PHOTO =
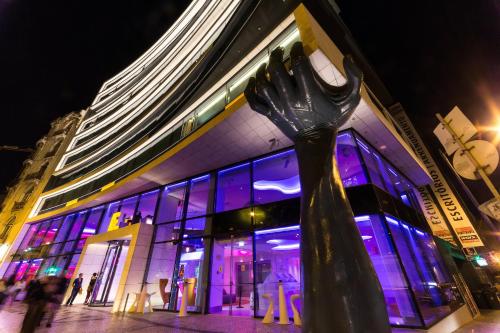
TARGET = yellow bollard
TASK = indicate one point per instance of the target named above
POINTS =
(269, 317)
(184, 301)
(296, 315)
(282, 304)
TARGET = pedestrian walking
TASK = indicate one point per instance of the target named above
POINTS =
(77, 289)
(55, 293)
(90, 288)
(35, 298)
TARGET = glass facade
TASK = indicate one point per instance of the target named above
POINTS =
(228, 271)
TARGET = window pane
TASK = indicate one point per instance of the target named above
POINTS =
(195, 227)
(127, 211)
(190, 267)
(349, 163)
(161, 269)
(33, 269)
(427, 278)
(276, 178)
(146, 210)
(77, 227)
(233, 188)
(72, 266)
(277, 254)
(400, 305)
(92, 222)
(52, 231)
(65, 227)
(112, 208)
(382, 166)
(172, 203)
(198, 196)
(40, 234)
(371, 164)
(28, 237)
(168, 232)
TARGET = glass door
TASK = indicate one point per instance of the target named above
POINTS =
(231, 290)
(100, 295)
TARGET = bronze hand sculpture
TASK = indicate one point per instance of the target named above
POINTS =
(340, 290)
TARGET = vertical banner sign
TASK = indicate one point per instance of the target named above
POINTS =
(447, 200)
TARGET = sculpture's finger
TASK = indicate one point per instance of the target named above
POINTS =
(352, 97)
(303, 73)
(266, 91)
(280, 77)
(253, 100)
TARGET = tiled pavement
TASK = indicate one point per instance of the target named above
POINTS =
(79, 319)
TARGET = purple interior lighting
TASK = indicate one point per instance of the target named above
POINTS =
(286, 186)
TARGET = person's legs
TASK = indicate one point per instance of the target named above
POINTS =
(87, 298)
(72, 297)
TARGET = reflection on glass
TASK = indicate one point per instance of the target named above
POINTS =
(146, 209)
(277, 253)
(127, 210)
(112, 208)
(172, 203)
(233, 188)
(77, 227)
(28, 237)
(349, 163)
(52, 231)
(168, 232)
(92, 222)
(276, 178)
(40, 234)
(195, 227)
(198, 196)
(429, 280)
(160, 274)
(72, 266)
(64, 229)
(189, 274)
(231, 285)
(400, 305)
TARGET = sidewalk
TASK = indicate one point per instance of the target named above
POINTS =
(82, 319)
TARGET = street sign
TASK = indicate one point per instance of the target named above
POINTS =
(485, 154)
(491, 208)
(461, 126)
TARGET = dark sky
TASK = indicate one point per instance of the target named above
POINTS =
(54, 55)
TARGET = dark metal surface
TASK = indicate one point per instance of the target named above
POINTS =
(340, 290)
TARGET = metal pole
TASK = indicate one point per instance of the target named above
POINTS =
(479, 168)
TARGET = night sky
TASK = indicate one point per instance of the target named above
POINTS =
(54, 56)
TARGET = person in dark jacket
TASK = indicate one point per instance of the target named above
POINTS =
(36, 300)
(77, 286)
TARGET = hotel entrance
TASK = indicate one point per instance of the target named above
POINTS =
(109, 275)
(232, 286)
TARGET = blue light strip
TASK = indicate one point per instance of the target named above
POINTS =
(272, 231)
(234, 168)
(273, 156)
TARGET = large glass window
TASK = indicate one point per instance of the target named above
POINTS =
(127, 210)
(233, 188)
(371, 164)
(77, 227)
(277, 253)
(400, 305)
(40, 234)
(110, 211)
(429, 280)
(52, 231)
(349, 163)
(146, 209)
(199, 195)
(92, 222)
(28, 237)
(172, 203)
(64, 229)
(276, 178)
(160, 274)
(190, 273)
(168, 232)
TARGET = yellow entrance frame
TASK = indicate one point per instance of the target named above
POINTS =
(131, 231)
